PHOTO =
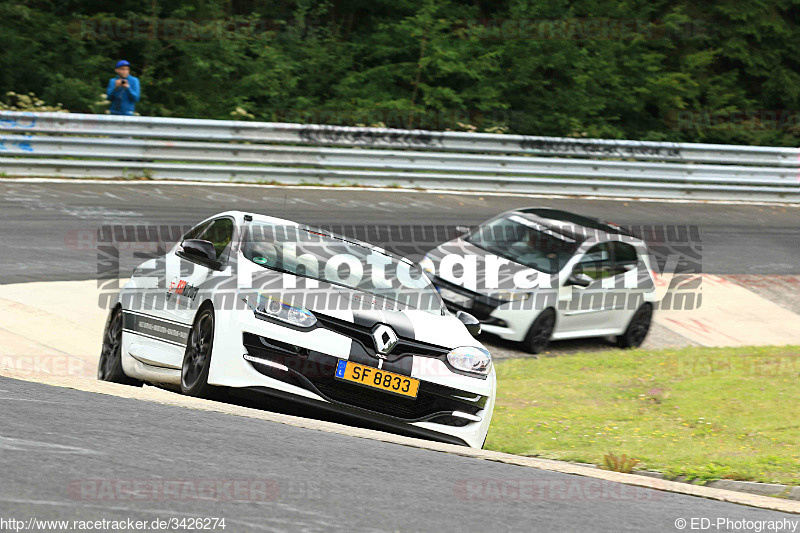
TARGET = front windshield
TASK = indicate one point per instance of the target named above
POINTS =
(525, 242)
(339, 261)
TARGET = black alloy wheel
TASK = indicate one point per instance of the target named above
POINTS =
(197, 358)
(109, 368)
(638, 328)
(538, 337)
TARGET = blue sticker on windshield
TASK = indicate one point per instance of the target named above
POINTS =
(261, 260)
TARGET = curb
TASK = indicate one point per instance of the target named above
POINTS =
(774, 490)
(789, 492)
(164, 397)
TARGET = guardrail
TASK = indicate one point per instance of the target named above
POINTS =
(104, 146)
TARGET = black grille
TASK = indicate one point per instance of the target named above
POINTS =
(315, 371)
(363, 335)
(377, 401)
(450, 420)
(425, 404)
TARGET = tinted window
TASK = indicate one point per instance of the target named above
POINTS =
(195, 231)
(597, 263)
(624, 253)
(220, 233)
(625, 257)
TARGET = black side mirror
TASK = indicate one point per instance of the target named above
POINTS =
(578, 278)
(200, 251)
(472, 324)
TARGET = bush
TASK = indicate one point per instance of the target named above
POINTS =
(28, 102)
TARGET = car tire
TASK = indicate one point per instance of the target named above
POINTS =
(637, 328)
(197, 357)
(538, 336)
(109, 368)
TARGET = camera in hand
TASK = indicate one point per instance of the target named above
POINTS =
(123, 81)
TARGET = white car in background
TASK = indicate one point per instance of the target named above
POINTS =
(538, 274)
(256, 302)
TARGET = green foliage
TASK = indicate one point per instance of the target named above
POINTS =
(683, 71)
(28, 102)
(617, 463)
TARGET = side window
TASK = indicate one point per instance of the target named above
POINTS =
(625, 257)
(597, 262)
(220, 233)
(195, 231)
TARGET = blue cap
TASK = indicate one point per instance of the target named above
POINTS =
(122, 63)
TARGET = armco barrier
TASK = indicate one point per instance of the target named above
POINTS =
(104, 146)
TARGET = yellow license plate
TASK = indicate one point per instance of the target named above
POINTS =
(377, 379)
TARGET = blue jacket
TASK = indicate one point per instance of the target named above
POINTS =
(123, 99)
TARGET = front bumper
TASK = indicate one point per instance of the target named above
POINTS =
(440, 412)
(478, 305)
(507, 320)
(334, 340)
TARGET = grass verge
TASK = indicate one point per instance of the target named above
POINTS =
(704, 413)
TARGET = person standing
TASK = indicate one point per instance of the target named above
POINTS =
(123, 90)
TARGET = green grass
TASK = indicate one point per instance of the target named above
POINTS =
(704, 413)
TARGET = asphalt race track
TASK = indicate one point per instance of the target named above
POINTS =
(55, 443)
(38, 220)
(84, 447)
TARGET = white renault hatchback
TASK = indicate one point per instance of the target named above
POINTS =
(535, 274)
(250, 301)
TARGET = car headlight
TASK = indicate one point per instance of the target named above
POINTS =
(274, 308)
(427, 265)
(508, 296)
(471, 359)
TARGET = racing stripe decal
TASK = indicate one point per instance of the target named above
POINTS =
(367, 318)
(359, 355)
(401, 323)
(368, 358)
(402, 366)
(398, 320)
(362, 345)
(155, 328)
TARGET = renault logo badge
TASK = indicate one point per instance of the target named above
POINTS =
(385, 339)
